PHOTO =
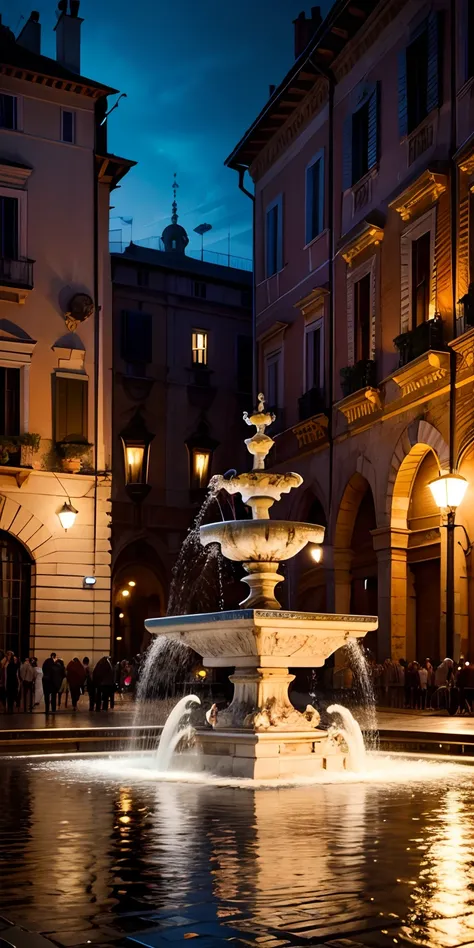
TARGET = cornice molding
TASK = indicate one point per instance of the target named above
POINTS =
(422, 372)
(14, 175)
(366, 401)
(312, 302)
(429, 186)
(370, 235)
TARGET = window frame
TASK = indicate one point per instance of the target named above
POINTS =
(353, 277)
(274, 357)
(18, 111)
(316, 325)
(276, 203)
(202, 286)
(73, 377)
(411, 233)
(195, 333)
(21, 197)
(73, 113)
(310, 235)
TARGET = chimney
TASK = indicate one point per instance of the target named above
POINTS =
(305, 29)
(30, 36)
(68, 35)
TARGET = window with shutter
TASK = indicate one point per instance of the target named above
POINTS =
(347, 153)
(469, 40)
(137, 341)
(273, 391)
(8, 111)
(419, 76)
(421, 279)
(71, 396)
(360, 143)
(274, 237)
(9, 401)
(402, 94)
(68, 126)
(361, 138)
(314, 356)
(417, 80)
(362, 318)
(8, 228)
(315, 197)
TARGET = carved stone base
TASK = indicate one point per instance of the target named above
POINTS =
(261, 702)
(261, 580)
(272, 755)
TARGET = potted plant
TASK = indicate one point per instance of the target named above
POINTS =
(71, 454)
(29, 445)
(7, 447)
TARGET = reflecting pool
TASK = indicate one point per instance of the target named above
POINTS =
(94, 861)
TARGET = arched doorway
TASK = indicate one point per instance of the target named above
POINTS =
(424, 560)
(137, 595)
(15, 596)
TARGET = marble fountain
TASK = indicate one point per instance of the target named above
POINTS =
(261, 735)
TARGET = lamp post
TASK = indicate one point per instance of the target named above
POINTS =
(448, 491)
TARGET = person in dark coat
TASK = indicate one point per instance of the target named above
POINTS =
(76, 676)
(103, 678)
(88, 686)
(52, 678)
(12, 683)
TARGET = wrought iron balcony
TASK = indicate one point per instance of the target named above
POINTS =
(311, 403)
(426, 336)
(361, 375)
(16, 279)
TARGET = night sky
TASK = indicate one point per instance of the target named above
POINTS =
(196, 75)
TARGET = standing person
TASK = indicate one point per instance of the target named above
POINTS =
(423, 687)
(412, 684)
(104, 683)
(27, 678)
(38, 693)
(3, 679)
(12, 683)
(63, 686)
(88, 683)
(76, 676)
(50, 683)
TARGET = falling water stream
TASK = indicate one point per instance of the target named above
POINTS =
(352, 734)
(176, 729)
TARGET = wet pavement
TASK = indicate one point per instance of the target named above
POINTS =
(107, 863)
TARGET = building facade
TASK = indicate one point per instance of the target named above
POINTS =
(363, 163)
(182, 377)
(55, 346)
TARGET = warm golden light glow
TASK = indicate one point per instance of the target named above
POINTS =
(121, 615)
(125, 592)
(134, 457)
(67, 516)
(199, 346)
(316, 553)
(201, 467)
(202, 673)
(118, 638)
(448, 490)
(132, 582)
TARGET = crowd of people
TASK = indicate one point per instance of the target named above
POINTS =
(416, 685)
(25, 685)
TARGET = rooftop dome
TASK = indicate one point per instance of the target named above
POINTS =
(174, 237)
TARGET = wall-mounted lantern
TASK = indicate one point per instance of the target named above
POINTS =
(201, 448)
(67, 515)
(136, 441)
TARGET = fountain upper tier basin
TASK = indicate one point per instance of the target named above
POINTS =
(263, 638)
(264, 541)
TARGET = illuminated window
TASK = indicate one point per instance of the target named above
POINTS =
(199, 347)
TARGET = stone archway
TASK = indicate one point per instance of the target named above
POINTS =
(138, 593)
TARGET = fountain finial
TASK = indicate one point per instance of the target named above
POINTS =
(260, 443)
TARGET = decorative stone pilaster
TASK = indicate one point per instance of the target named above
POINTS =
(390, 545)
(261, 701)
(338, 564)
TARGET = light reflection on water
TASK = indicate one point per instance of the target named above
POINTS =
(75, 855)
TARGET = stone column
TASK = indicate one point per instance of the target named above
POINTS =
(338, 563)
(390, 545)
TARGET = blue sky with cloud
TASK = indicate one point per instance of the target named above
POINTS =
(196, 75)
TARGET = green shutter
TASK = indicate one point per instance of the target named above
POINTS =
(71, 396)
(373, 132)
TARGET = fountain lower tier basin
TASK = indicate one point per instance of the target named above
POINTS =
(262, 644)
(260, 541)
(247, 755)
(266, 638)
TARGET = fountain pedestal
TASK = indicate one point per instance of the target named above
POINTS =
(261, 734)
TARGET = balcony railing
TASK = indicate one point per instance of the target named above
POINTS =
(17, 273)
(311, 403)
(426, 336)
(361, 375)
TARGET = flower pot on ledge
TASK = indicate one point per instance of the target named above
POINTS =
(71, 465)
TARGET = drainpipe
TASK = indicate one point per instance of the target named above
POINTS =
(241, 170)
(96, 354)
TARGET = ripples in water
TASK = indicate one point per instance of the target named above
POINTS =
(94, 857)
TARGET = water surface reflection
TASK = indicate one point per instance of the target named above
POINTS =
(349, 860)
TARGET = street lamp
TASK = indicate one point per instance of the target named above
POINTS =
(67, 516)
(201, 448)
(136, 440)
(448, 491)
